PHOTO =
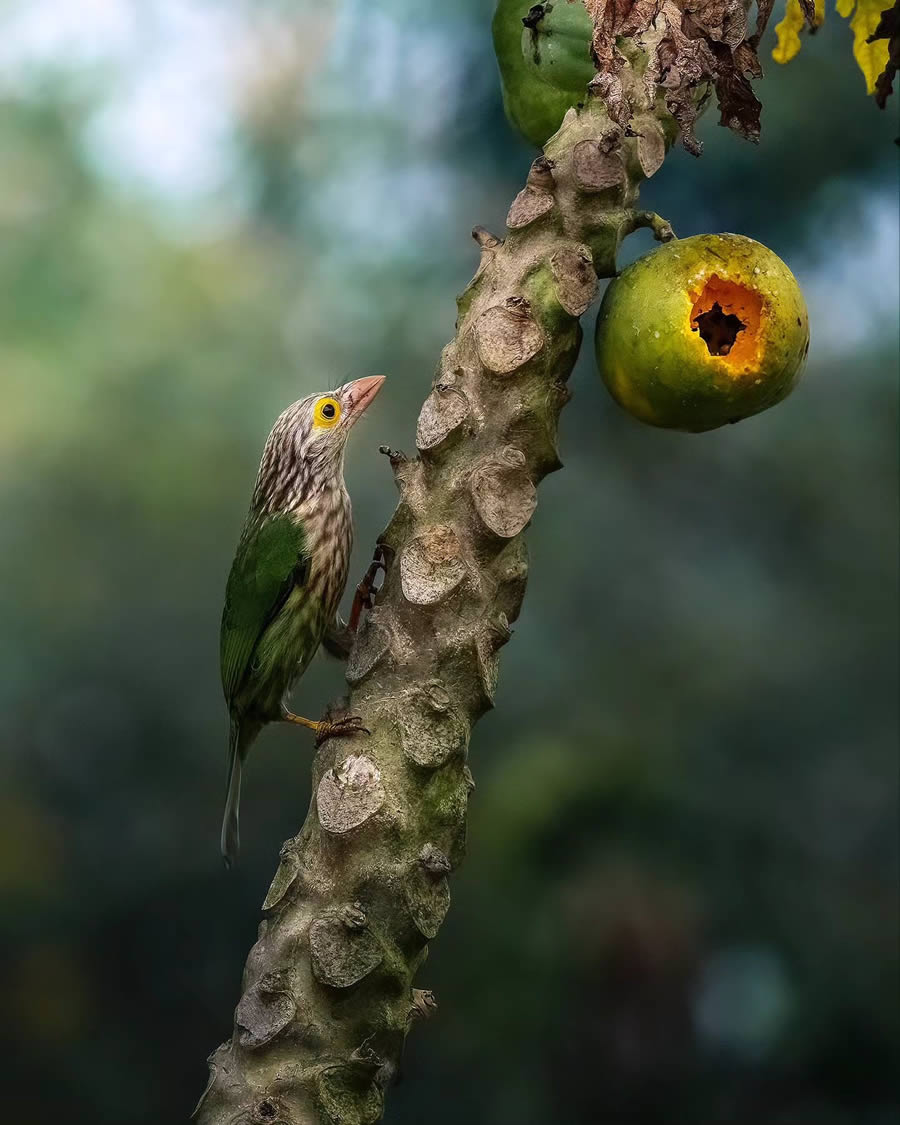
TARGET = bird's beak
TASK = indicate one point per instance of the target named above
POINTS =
(358, 395)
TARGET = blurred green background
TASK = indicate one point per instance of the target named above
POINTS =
(680, 904)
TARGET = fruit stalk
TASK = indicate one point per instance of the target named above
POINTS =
(327, 992)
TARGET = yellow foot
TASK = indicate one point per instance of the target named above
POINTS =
(328, 728)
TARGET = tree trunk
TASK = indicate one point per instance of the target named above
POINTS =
(327, 996)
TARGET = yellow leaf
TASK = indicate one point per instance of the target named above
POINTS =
(788, 31)
(872, 57)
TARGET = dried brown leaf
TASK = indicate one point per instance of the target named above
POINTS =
(718, 21)
(613, 18)
(763, 12)
(705, 44)
(739, 106)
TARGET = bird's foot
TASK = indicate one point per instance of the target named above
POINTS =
(328, 728)
(340, 728)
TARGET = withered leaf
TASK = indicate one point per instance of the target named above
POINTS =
(739, 106)
(613, 18)
(705, 45)
(763, 12)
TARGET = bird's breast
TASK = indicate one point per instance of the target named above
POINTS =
(330, 538)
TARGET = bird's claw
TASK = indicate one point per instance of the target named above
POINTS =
(340, 728)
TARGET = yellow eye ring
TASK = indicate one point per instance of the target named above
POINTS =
(327, 412)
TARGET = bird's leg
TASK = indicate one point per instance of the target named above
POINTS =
(339, 636)
(327, 728)
(366, 590)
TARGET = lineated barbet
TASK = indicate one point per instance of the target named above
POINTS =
(288, 575)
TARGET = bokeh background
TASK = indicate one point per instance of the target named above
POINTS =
(680, 903)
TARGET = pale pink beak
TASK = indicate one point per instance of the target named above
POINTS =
(357, 396)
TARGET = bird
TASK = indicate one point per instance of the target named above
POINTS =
(288, 575)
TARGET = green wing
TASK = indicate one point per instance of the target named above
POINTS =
(271, 559)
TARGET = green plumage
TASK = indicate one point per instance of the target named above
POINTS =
(271, 627)
(271, 560)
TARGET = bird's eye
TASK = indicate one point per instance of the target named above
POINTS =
(328, 411)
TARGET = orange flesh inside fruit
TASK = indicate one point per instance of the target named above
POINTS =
(726, 316)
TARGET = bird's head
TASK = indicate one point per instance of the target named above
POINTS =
(307, 442)
(321, 423)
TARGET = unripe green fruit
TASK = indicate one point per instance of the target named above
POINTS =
(703, 331)
(545, 66)
(556, 41)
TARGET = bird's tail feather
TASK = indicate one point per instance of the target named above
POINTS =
(239, 742)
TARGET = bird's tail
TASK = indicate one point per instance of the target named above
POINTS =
(238, 744)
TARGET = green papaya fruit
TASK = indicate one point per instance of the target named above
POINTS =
(703, 331)
(543, 52)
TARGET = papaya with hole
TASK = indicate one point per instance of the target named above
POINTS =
(703, 331)
(543, 52)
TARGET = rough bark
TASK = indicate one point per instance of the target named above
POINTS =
(327, 994)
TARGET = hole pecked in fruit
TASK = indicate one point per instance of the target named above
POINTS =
(727, 316)
(718, 329)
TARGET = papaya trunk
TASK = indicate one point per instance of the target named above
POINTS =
(327, 995)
